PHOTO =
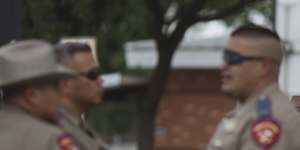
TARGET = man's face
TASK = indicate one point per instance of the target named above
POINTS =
(240, 78)
(45, 101)
(86, 91)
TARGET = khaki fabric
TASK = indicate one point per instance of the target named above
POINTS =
(20, 131)
(85, 136)
(235, 130)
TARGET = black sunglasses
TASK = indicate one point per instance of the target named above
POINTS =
(230, 57)
(91, 74)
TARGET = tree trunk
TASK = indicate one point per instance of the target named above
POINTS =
(149, 105)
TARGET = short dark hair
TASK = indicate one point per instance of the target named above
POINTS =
(255, 31)
(66, 51)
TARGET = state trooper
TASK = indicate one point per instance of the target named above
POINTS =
(82, 92)
(264, 117)
(30, 77)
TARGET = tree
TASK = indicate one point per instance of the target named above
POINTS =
(113, 22)
(170, 20)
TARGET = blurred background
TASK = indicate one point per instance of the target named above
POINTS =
(160, 59)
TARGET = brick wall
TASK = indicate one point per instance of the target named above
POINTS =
(190, 110)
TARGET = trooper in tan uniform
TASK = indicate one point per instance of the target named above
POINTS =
(29, 78)
(264, 118)
(82, 92)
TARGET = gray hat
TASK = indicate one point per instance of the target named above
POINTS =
(28, 61)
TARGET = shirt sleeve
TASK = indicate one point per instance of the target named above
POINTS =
(262, 134)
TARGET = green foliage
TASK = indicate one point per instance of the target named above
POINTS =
(264, 7)
(111, 118)
(214, 5)
(112, 21)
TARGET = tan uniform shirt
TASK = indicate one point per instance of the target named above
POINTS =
(21, 131)
(85, 136)
(238, 131)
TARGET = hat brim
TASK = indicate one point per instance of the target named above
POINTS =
(60, 72)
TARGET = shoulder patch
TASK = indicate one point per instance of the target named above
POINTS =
(66, 142)
(265, 132)
(265, 129)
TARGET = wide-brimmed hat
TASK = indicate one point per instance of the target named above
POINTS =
(29, 61)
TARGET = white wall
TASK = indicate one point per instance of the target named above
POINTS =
(288, 27)
(203, 53)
